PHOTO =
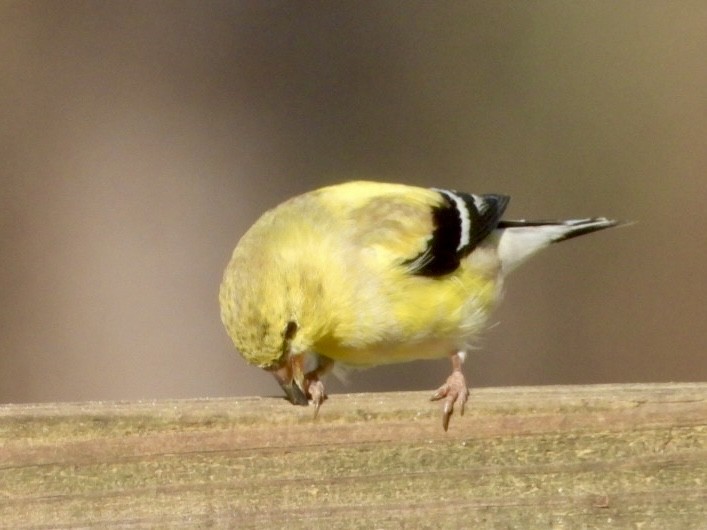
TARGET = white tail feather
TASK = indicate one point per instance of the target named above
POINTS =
(519, 240)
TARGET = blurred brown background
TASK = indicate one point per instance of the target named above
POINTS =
(139, 140)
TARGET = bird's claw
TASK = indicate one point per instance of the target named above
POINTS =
(317, 395)
(454, 391)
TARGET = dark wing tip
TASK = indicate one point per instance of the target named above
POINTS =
(461, 222)
(580, 227)
(566, 229)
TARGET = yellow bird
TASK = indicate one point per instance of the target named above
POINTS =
(369, 273)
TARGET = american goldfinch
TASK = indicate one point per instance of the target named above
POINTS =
(369, 273)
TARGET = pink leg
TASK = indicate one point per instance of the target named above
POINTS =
(453, 391)
(314, 387)
(315, 391)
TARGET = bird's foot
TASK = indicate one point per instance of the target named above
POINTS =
(454, 392)
(316, 394)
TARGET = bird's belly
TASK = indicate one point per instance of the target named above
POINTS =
(390, 352)
(422, 318)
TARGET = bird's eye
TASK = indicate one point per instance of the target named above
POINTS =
(288, 334)
(289, 331)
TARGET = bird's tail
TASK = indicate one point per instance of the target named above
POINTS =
(518, 240)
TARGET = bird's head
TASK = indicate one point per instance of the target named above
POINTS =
(271, 314)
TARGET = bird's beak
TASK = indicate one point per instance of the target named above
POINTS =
(290, 377)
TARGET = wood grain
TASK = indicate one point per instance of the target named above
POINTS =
(618, 456)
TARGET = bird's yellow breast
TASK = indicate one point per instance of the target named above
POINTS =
(402, 317)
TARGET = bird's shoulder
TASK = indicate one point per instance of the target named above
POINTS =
(428, 231)
(392, 219)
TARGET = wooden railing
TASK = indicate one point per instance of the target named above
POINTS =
(610, 456)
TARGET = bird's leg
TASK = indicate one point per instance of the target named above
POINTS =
(315, 391)
(314, 387)
(454, 391)
(302, 388)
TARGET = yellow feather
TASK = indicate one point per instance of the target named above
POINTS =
(332, 261)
